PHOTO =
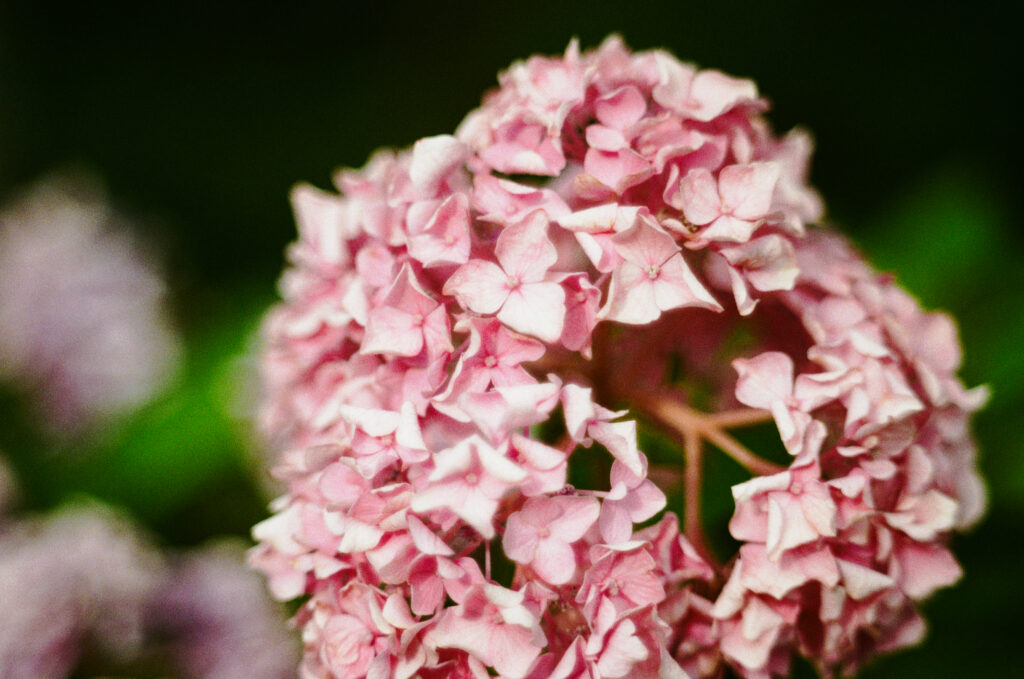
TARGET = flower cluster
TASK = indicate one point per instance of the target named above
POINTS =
(75, 576)
(613, 243)
(83, 583)
(82, 323)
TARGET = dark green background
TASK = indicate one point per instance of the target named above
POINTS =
(200, 116)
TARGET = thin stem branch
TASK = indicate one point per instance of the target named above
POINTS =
(740, 453)
(740, 417)
(693, 527)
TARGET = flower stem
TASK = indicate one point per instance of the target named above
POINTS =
(739, 417)
(739, 452)
(693, 527)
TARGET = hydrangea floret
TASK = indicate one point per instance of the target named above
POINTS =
(482, 336)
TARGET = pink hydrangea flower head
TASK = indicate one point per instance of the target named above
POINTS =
(503, 353)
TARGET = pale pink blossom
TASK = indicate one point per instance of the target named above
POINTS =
(541, 534)
(732, 207)
(652, 279)
(516, 287)
(469, 479)
(632, 499)
(407, 321)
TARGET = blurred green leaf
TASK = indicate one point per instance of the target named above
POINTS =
(942, 236)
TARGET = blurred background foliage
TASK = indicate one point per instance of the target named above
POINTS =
(200, 116)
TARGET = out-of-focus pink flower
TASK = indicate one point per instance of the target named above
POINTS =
(613, 249)
(219, 619)
(78, 577)
(85, 583)
(82, 322)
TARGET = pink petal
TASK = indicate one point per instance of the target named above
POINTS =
(578, 409)
(787, 526)
(769, 262)
(620, 440)
(614, 523)
(426, 540)
(745, 304)
(860, 581)
(555, 562)
(644, 501)
(617, 169)
(712, 93)
(321, 220)
(674, 80)
(520, 539)
(427, 592)
(630, 297)
(676, 287)
(582, 302)
(610, 217)
(793, 569)
(621, 108)
(729, 228)
(536, 309)
(764, 379)
(746, 190)
(373, 421)
(645, 244)
(605, 138)
(433, 158)
(701, 203)
(623, 649)
(524, 249)
(479, 286)
(445, 238)
(925, 568)
(436, 333)
(578, 515)
(391, 331)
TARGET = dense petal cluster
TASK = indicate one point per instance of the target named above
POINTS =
(82, 322)
(608, 230)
